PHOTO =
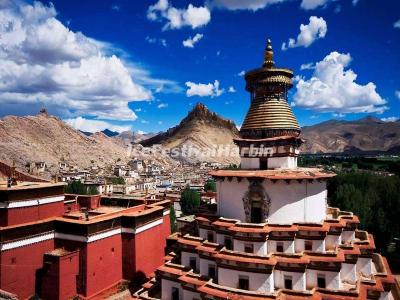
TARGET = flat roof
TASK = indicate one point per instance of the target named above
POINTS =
(26, 185)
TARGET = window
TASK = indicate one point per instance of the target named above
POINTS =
(288, 282)
(308, 245)
(279, 247)
(321, 281)
(210, 236)
(211, 271)
(175, 294)
(248, 248)
(192, 263)
(228, 243)
(13, 260)
(243, 283)
(263, 163)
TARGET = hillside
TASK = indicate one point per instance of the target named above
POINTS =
(203, 130)
(46, 138)
(364, 135)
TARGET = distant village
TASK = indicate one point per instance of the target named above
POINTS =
(139, 178)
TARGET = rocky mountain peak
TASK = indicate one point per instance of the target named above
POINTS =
(200, 113)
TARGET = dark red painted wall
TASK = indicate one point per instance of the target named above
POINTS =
(16, 216)
(18, 268)
(59, 282)
(103, 264)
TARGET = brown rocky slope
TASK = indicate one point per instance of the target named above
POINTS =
(365, 135)
(203, 130)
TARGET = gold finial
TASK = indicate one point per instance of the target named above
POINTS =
(268, 55)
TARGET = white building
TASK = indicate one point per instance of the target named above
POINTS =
(273, 235)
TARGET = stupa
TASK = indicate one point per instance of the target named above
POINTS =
(272, 234)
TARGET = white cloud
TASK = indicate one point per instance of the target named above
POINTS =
(153, 40)
(90, 125)
(177, 18)
(397, 24)
(313, 4)
(308, 66)
(144, 122)
(314, 30)
(138, 109)
(338, 115)
(390, 119)
(116, 7)
(397, 93)
(253, 5)
(162, 105)
(231, 89)
(190, 42)
(204, 90)
(241, 73)
(333, 89)
(43, 61)
(159, 122)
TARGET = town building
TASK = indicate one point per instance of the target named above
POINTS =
(271, 234)
(57, 246)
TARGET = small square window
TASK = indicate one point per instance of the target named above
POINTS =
(210, 236)
(288, 282)
(174, 294)
(211, 271)
(192, 263)
(279, 247)
(308, 245)
(13, 260)
(248, 248)
(243, 283)
(321, 281)
(228, 243)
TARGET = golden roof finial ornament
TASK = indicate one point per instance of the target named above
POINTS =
(269, 114)
(268, 55)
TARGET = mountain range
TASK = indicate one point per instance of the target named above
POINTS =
(47, 138)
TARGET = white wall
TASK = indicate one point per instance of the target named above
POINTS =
(348, 236)
(166, 289)
(282, 162)
(250, 163)
(317, 245)
(348, 273)
(288, 246)
(364, 266)
(260, 282)
(293, 202)
(331, 242)
(204, 263)
(298, 280)
(258, 247)
(332, 279)
(185, 259)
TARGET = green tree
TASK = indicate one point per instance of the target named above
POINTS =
(190, 201)
(75, 187)
(118, 180)
(78, 188)
(172, 218)
(210, 186)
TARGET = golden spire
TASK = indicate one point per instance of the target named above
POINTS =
(268, 55)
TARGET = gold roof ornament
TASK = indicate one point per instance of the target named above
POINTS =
(269, 114)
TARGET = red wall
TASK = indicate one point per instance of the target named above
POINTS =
(59, 282)
(18, 268)
(103, 264)
(16, 216)
(149, 249)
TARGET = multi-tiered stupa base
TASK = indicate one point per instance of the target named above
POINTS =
(229, 259)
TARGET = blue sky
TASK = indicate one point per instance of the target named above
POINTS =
(122, 64)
